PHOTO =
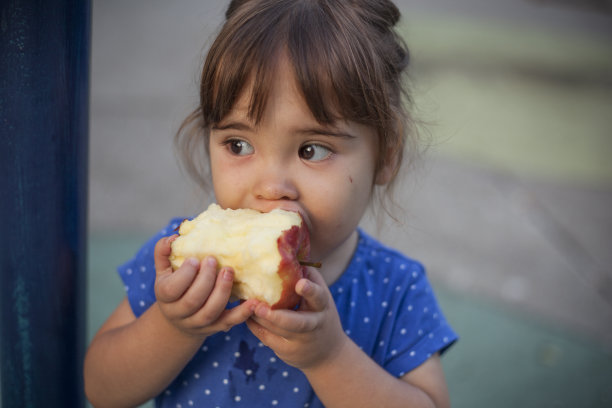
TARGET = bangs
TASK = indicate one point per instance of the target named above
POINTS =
(331, 57)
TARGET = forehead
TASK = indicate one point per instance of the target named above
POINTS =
(279, 89)
(262, 95)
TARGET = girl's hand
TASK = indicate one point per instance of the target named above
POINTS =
(307, 337)
(194, 297)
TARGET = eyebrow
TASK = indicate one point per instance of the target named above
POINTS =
(232, 125)
(326, 132)
(308, 131)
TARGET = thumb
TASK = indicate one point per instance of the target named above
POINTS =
(313, 290)
(161, 253)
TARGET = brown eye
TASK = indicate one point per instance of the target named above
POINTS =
(314, 152)
(239, 147)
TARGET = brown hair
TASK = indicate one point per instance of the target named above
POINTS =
(347, 58)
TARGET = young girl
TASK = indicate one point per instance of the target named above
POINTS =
(301, 109)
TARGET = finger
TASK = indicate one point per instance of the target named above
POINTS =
(198, 292)
(270, 336)
(222, 290)
(214, 299)
(285, 322)
(263, 334)
(161, 253)
(236, 315)
(314, 292)
(170, 287)
(314, 275)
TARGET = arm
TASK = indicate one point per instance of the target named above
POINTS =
(342, 375)
(352, 379)
(131, 360)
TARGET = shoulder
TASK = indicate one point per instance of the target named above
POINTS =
(378, 279)
(381, 259)
(388, 307)
(388, 274)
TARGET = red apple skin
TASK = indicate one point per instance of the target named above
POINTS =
(293, 246)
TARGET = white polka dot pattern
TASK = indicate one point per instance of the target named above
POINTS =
(386, 306)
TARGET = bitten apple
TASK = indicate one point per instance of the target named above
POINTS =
(264, 250)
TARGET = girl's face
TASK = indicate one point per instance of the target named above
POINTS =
(291, 161)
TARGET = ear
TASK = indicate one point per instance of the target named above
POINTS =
(388, 170)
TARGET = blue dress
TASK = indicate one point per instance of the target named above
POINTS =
(386, 306)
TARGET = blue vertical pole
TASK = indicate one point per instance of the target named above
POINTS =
(44, 90)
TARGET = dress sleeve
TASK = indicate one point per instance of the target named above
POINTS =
(419, 329)
(138, 274)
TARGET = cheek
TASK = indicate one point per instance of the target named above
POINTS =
(361, 182)
(342, 201)
(226, 182)
(335, 213)
(216, 173)
(358, 185)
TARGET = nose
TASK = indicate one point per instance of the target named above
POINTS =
(275, 182)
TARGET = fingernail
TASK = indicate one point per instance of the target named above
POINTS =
(195, 262)
(262, 310)
(211, 262)
(305, 287)
(228, 275)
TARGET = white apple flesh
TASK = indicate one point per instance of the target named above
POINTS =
(263, 249)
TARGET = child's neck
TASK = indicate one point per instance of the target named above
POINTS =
(333, 266)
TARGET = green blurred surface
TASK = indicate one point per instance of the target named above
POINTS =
(503, 359)
(105, 289)
(529, 100)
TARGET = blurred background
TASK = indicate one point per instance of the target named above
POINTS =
(510, 208)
